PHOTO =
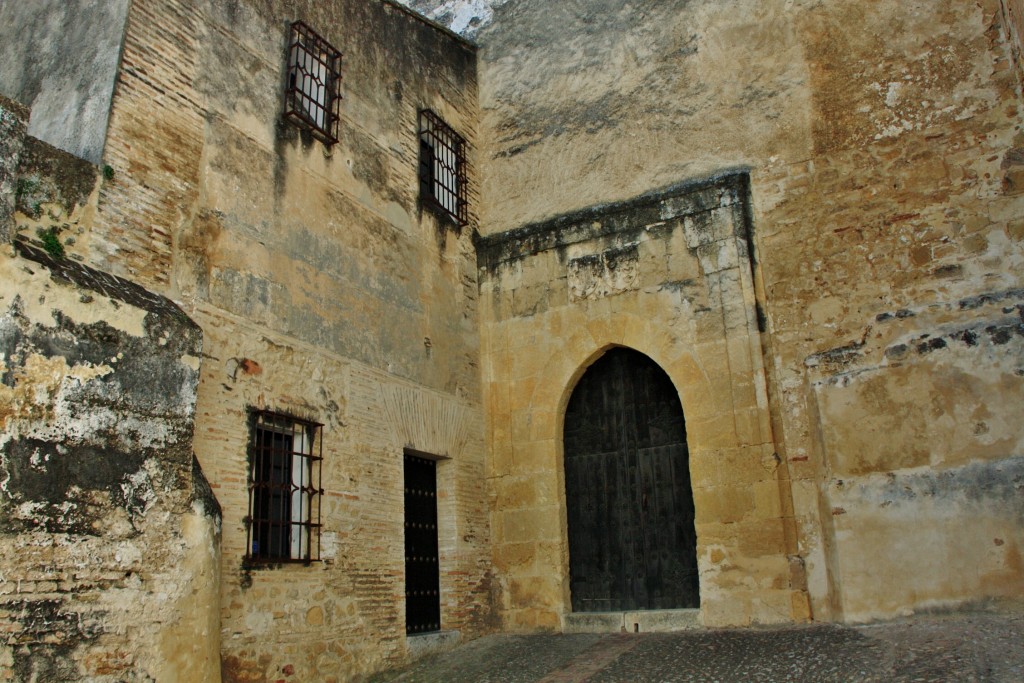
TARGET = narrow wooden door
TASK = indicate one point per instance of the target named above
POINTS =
(422, 568)
(632, 543)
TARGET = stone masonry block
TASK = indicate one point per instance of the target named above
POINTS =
(723, 504)
(532, 525)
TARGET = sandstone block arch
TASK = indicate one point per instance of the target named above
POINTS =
(668, 275)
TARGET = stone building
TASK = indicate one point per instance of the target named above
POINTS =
(329, 337)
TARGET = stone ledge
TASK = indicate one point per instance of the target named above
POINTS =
(100, 282)
(642, 621)
(633, 216)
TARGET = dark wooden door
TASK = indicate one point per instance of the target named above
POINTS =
(632, 543)
(422, 568)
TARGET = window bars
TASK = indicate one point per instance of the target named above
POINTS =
(312, 94)
(285, 466)
(442, 168)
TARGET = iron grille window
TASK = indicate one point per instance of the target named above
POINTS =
(285, 464)
(314, 75)
(442, 168)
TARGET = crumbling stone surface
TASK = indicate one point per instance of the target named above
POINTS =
(13, 124)
(466, 17)
(110, 542)
(55, 199)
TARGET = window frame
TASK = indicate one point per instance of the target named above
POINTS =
(443, 176)
(312, 92)
(284, 484)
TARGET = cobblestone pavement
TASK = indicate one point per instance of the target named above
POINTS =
(965, 648)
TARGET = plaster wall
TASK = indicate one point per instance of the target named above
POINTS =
(882, 141)
(60, 58)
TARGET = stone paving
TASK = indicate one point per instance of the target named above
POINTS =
(965, 647)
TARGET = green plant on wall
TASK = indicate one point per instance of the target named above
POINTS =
(51, 241)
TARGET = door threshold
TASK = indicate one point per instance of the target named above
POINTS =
(434, 642)
(637, 621)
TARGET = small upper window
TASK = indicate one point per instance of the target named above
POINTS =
(442, 168)
(314, 77)
(285, 459)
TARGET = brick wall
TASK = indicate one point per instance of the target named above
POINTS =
(154, 142)
(323, 290)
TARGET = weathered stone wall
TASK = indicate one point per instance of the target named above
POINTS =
(60, 58)
(55, 197)
(322, 289)
(13, 123)
(882, 146)
(326, 244)
(669, 275)
(913, 204)
(109, 532)
(808, 213)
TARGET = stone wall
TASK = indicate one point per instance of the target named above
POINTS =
(13, 123)
(465, 17)
(882, 146)
(668, 274)
(109, 531)
(1013, 13)
(807, 213)
(323, 291)
(110, 534)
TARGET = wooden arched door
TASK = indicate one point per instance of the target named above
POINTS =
(632, 543)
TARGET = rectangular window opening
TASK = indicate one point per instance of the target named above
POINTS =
(443, 168)
(312, 95)
(285, 466)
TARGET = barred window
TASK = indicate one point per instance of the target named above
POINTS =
(312, 94)
(285, 464)
(442, 168)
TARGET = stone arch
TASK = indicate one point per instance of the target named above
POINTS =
(680, 291)
(562, 370)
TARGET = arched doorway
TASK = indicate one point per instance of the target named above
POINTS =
(632, 544)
